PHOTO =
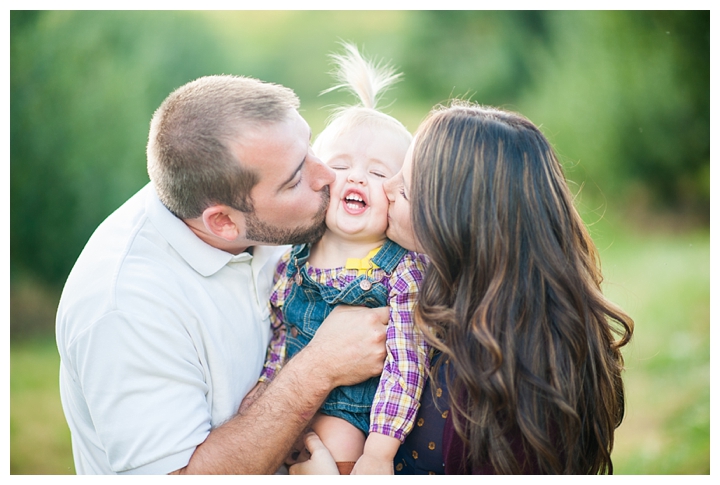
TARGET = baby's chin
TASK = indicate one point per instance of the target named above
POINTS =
(355, 233)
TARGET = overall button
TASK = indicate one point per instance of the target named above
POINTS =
(365, 285)
(298, 279)
(293, 332)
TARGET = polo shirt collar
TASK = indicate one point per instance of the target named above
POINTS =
(202, 257)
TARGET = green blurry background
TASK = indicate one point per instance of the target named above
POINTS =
(623, 96)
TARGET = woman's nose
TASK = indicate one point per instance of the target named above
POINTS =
(388, 187)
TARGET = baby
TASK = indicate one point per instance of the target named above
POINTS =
(355, 264)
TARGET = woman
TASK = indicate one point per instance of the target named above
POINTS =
(528, 348)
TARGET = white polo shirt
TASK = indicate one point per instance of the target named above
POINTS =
(160, 337)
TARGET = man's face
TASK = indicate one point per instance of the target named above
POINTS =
(292, 195)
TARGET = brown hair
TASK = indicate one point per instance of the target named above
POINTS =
(513, 295)
(189, 160)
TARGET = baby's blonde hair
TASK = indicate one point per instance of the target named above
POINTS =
(367, 81)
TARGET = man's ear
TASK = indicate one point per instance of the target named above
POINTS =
(223, 222)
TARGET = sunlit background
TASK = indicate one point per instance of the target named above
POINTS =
(623, 96)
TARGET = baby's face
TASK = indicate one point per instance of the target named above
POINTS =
(362, 158)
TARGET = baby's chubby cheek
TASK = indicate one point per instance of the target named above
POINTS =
(335, 191)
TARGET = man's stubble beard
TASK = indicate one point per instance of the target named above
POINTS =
(257, 230)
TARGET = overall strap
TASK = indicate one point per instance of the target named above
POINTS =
(299, 255)
(389, 256)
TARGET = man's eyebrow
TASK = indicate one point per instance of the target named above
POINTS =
(289, 179)
(299, 167)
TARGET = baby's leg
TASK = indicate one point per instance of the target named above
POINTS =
(344, 440)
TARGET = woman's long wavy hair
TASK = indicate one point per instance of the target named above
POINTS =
(513, 295)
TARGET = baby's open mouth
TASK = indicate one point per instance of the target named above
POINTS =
(354, 201)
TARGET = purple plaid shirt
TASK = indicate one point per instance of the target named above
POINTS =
(398, 395)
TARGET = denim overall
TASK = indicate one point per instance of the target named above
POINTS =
(309, 303)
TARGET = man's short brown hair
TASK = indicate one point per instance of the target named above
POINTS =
(188, 154)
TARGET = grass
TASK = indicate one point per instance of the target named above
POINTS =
(39, 435)
(661, 280)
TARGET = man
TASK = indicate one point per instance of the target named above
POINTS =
(163, 323)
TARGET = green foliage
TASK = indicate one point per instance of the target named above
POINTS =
(83, 88)
(486, 56)
(624, 97)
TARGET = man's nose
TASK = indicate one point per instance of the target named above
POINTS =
(320, 173)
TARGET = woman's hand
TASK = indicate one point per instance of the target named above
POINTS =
(321, 461)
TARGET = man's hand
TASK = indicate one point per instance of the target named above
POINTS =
(349, 346)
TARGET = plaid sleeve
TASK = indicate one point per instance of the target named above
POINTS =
(275, 356)
(397, 399)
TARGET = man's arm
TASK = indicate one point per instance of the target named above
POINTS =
(349, 347)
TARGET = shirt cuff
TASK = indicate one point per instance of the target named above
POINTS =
(163, 466)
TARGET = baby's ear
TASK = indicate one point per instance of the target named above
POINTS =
(222, 222)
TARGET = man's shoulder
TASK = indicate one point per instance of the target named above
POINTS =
(119, 226)
(115, 237)
(126, 251)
